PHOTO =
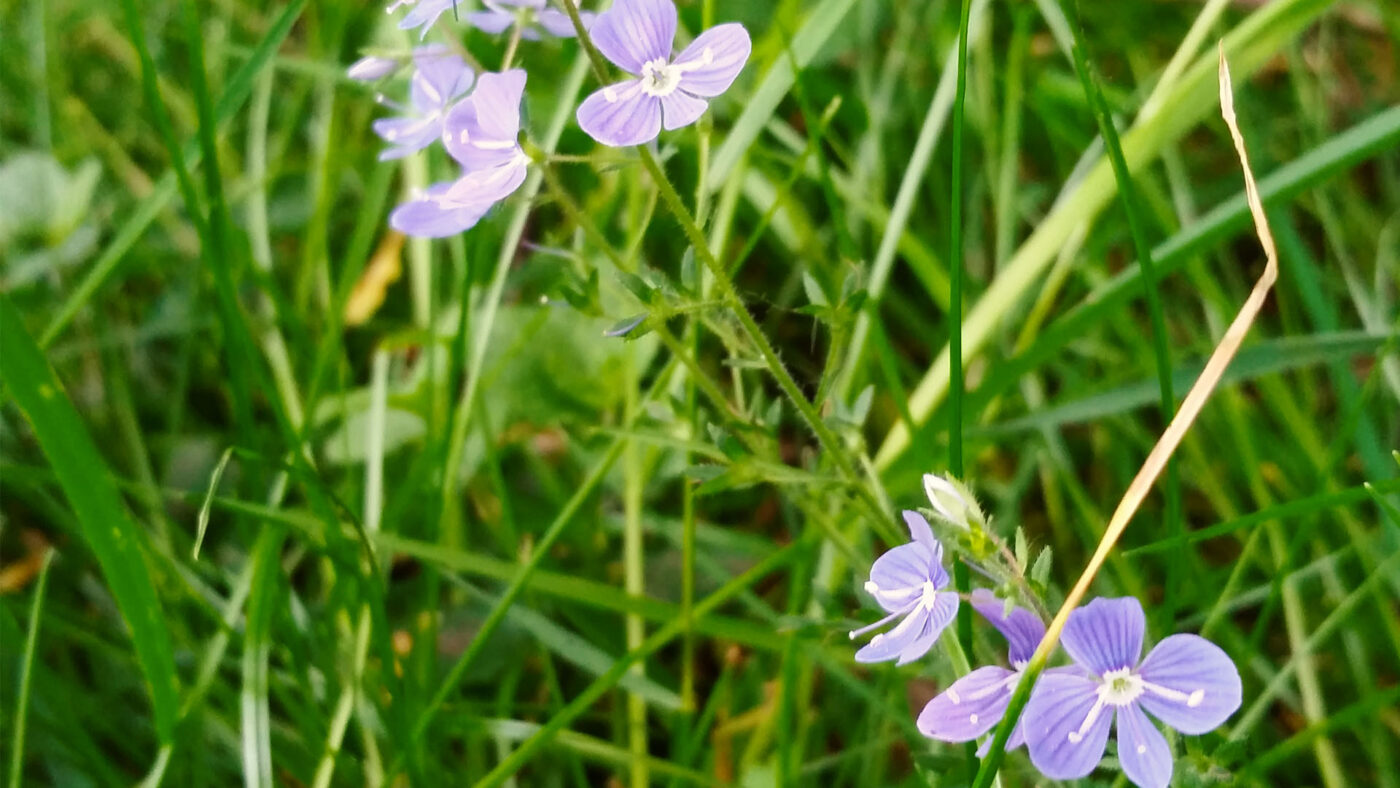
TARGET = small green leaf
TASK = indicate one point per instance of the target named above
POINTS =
(1040, 573)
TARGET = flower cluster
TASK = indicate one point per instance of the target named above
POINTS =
(480, 127)
(1185, 681)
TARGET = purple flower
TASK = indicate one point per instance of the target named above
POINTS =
(422, 13)
(906, 582)
(439, 78)
(531, 15)
(481, 132)
(1186, 681)
(975, 703)
(371, 68)
(637, 36)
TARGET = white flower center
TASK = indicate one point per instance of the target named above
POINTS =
(660, 78)
(1122, 687)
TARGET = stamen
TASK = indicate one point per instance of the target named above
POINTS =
(1192, 700)
(1076, 737)
(887, 619)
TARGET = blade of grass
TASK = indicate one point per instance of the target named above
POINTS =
(26, 674)
(107, 527)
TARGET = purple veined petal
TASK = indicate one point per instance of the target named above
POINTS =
(1142, 750)
(1016, 739)
(712, 61)
(423, 14)
(945, 607)
(405, 135)
(558, 24)
(371, 68)
(920, 532)
(1022, 628)
(489, 186)
(439, 77)
(1061, 746)
(1191, 684)
(897, 577)
(634, 32)
(973, 705)
(492, 20)
(480, 132)
(497, 100)
(621, 115)
(1105, 634)
(890, 645)
(430, 217)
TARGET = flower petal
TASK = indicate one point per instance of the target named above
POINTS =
(1059, 705)
(488, 186)
(481, 131)
(1106, 634)
(959, 714)
(406, 135)
(920, 531)
(945, 607)
(497, 100)
(439, 76)
(1189, 664)
(1142, 750)
(714, 59)
(1022, 628)
(371, 68)
(430, 217)
(679, 108)
(621, 115)
(899, 576)
(557, 23)
(892, 644)
(633, 32)
(423, 15)
(491, 21)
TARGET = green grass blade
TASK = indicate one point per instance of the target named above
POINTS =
(26, 674)
(107, 527)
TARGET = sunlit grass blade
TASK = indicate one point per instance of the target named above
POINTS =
(26, 674)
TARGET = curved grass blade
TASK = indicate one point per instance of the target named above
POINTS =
(107, 527)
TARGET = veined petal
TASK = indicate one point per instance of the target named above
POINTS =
(423, 15)
(679, 108)
(1061, 747)
(920, 532)
(497, 100)
(1022, 628)
(491, 21)
(439, 76)
(1202, 684)
(712, 61)
(901, 570)
(406, 135)
(621, 115)
(973, 705)
(557, 23)
(1142, 750)
(1106, 634)
(945, 606)
(430, 217)
(634, 32)
(488, 186)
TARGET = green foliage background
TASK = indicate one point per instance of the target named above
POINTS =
(277, 536)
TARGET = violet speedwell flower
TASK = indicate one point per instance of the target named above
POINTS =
(1186, 681)
(907, 583)
(975, 703)
(637, 36)
(439, 78)
(532, 15)
(482, 133)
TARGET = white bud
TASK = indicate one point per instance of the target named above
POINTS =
(948, 500)
(371, 68)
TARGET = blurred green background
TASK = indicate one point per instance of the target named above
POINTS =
(316, 454)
